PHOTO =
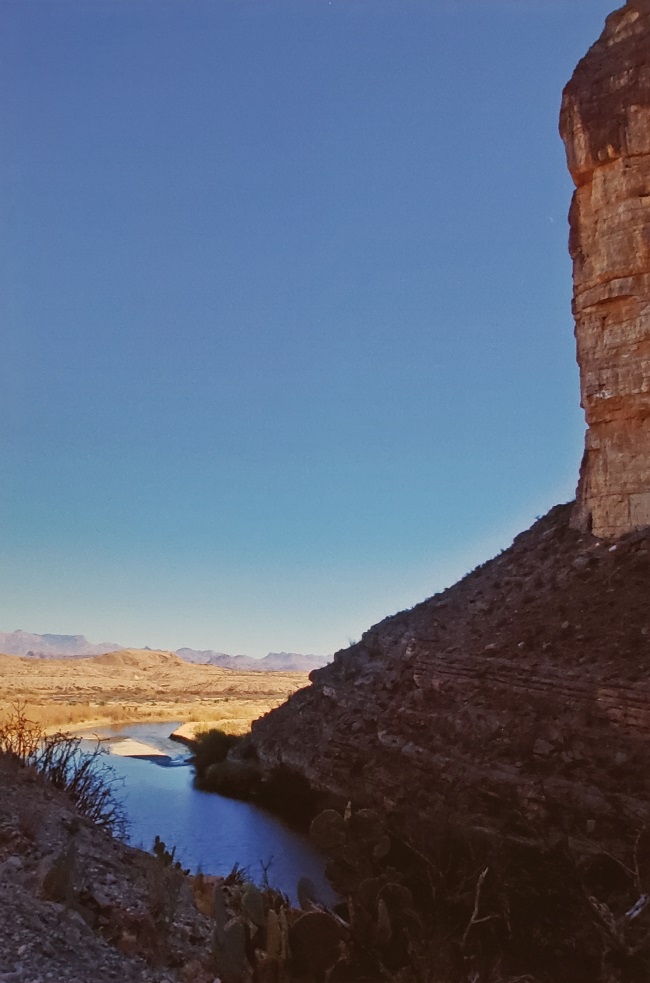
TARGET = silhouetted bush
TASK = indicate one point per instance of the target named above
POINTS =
(229, 766)
(211, 747)
(289, 794)
(237, 779)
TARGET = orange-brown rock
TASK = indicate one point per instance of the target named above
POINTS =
(605, 124)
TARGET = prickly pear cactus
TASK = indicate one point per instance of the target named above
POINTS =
(315, 940)
(232, 962)
(328, 831)
(229, 943)
(308, 898)
(274, 946)
(253, 904)
(357, 843)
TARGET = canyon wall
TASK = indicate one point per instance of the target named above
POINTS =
(605, 125)
(520, 696)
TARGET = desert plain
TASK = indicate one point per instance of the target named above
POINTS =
(134, 685)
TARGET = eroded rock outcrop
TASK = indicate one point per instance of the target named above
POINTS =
(605, 124)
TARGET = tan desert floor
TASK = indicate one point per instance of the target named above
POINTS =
(137, 686)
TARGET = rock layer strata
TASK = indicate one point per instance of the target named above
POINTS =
(605, 125)
(516, 696)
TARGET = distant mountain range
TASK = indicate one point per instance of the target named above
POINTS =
(78, 647)
(52, 646)
(273, 662)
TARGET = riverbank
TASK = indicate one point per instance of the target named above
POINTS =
(76, 904)
(197, 716)
(187, 733)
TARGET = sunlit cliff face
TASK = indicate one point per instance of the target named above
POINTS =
(605, 125)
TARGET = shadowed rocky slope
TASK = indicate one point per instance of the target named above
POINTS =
(519, 695)
(76, 905)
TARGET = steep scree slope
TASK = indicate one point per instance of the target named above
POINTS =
(520, 694)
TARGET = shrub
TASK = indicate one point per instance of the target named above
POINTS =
(211, 747)
(238, 779)
(165, 880)
(20, 737)
(85, 777)
(59, 758)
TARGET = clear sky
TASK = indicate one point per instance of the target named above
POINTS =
(287, 341)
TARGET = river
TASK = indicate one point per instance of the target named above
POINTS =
(211, 833)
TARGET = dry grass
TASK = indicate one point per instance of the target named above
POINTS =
(233, 717)
(136, 686)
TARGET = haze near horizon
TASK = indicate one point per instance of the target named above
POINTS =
(289, 338)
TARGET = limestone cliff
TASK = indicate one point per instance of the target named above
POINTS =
(605, 124)
(523, 690)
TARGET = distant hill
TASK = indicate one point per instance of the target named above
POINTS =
(52, 646)
(140, 684)
(273, 662)
(137, 660)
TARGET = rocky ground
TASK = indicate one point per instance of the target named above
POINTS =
(501, 729)
(76, 905)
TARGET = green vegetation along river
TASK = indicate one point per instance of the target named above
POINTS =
(211, 833)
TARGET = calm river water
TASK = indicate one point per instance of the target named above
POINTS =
(210, 833)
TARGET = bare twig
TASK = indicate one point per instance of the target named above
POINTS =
(475, 920)
(638, 908)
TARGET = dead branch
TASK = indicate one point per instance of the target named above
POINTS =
(475, 920)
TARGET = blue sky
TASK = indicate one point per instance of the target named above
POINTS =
(289, 339)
